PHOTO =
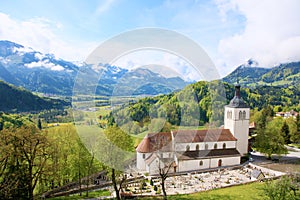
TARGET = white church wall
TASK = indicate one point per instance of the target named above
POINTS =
(225, 161)
(140, 161)
(190, 165)
(239, 127)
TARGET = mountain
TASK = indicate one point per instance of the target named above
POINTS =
(251, 75)
(15, 99)
(144, 81)
(38, 72)
(35, 71)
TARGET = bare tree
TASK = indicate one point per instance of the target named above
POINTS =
(165, 157)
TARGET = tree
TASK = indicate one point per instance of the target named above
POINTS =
(287, 187)
(39, 124)
(270, 140)
(296, 135)
(116, 148)
(24, 152)
(286, 133)
(165, 159)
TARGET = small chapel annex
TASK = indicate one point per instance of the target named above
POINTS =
(190, 150)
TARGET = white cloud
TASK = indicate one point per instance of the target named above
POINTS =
(271, 35)
(39, 33)
(161, 62)
(45, 64)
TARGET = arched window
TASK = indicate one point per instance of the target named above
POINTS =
(244, 114)
(229, 114)
(215, 146)
(201, 163)
(187, 147)
(240, 115)
(206, 146)
(220, 163)
(197, 147)
(224, 145)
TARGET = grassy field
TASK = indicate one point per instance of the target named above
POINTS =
(252, 191)
(93, 194)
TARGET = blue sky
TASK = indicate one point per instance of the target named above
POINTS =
(230, 31)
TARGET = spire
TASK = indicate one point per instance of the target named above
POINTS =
(237, 91)
(237, 101)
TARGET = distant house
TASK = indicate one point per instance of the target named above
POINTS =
(257, 174)
(288, 114)
(189, 150)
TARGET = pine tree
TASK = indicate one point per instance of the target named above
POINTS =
(40, 124)
(286, 133)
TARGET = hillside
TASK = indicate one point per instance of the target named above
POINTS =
(15, 99)
(198, 104)
(250, 75)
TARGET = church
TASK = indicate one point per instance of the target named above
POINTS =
(190, 150)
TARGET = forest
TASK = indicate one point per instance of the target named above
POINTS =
(200, 104)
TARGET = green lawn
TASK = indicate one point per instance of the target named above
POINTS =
(252, 191)
(83, 196)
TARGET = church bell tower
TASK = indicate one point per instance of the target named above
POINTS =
(236, 119)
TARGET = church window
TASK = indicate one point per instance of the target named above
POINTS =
(197, 147)
(187, 147)
(201, 163)
(229, 114)
(220, 163)
(224, 145)
(215, 146)
(144, 155)
(244, 114)
(206, 146)
(240, 115)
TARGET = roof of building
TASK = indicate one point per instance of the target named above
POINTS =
(192, 155)
(237, 101)
(150, 159)
(155, 141)
(252, 125)
(210, 135)
(163, 141)
(257, 174)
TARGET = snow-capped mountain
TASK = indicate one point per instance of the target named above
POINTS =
(38, 72)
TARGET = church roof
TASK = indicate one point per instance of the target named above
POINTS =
(191, 155)
(237, 101)
(163, 141)
(155, 141)
(210, 135)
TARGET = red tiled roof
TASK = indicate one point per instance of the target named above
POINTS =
(155, 141)
(210, 135)
(252, 125)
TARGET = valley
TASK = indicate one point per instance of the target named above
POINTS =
(70, 131)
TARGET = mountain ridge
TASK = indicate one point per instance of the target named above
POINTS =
(38, 72)
(282, 75)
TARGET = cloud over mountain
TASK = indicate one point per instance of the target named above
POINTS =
(271, 34)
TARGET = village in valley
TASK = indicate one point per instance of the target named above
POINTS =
(152, 100)
(189, 161)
